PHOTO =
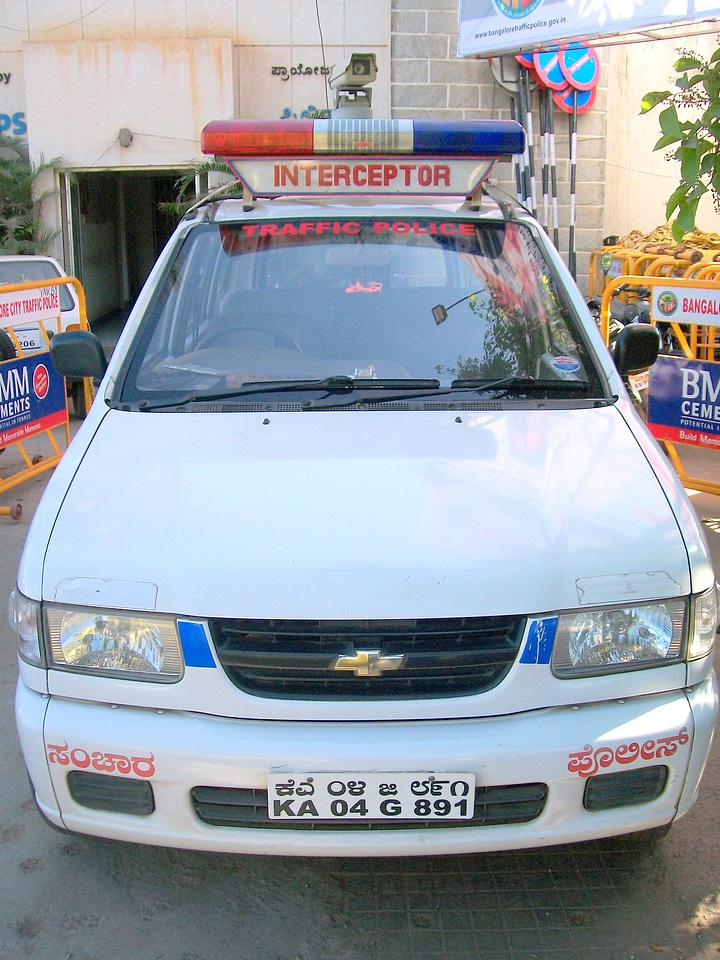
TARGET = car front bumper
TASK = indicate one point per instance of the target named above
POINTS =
(564, 748)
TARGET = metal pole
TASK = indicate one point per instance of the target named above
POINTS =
(572, 265)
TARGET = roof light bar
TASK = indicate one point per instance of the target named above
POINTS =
(304, 138)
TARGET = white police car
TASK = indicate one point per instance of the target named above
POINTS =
(362, 548)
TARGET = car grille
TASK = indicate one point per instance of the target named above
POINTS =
(233, 807)
(294, 659)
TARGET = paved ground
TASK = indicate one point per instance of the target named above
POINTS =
(76, 898)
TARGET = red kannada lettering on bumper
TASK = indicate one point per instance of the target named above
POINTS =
(82, 759)
(587, 762)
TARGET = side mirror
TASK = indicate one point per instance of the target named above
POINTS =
(78, 354)
(636, 348)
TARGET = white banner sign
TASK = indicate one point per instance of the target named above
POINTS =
(492, 27)
(22, 306)
(686, 304)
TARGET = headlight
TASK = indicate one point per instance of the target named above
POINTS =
(114, 644)
(703, 624)
(23, 615)
(619, 638)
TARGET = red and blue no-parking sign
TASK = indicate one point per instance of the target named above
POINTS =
(548, 69)
(579, 66)
(571, 99)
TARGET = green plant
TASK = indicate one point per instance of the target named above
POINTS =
(691, 123)
(21, 226)
(187, 187)
(192, 187)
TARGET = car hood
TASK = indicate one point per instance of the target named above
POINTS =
(363, 515)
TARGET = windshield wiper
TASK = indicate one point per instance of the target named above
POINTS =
(505, 384)
(520, 383)
(334, 384)
(407, 390)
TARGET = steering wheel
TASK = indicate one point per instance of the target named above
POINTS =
(279, 337)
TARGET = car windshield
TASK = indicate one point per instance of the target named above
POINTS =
(436, 302)
(20, 271)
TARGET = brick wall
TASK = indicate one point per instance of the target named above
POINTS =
(428, 80)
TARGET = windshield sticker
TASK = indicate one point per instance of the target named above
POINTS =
(234, 235)
(566, 364)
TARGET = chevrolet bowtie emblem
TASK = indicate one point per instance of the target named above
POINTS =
(369, 663)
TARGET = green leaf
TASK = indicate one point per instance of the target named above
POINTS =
(677, 231)
(670, 123)
(716, 56)
(689, 164)
(676, 198)
(652, 99)
(685, 221)
(665, 142)
(706, 146)
(712, 87)
(707, 164)
(697, 192)
(687, 63)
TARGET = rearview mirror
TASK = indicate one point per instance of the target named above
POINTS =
(636, 348)
(78, 354)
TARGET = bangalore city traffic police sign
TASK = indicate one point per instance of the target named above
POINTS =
(685, 304)
(488, 28)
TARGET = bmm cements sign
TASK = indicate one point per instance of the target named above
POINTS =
(684, 401)
(32, 394)
(32, 398)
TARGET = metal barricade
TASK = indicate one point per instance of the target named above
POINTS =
(684, 384)
(34, 418)
(607, 264)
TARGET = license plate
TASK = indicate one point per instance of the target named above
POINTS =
(371, 796)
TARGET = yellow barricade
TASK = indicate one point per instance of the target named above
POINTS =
(33, 398)
(610, 263)
(682, 304)
(605, 265)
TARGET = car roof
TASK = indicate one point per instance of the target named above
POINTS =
(337, 205)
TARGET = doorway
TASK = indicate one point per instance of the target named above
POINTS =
(114, 231)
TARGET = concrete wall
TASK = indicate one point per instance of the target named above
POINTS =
(141, 57)
(428, 80)
(639, 180)
(162, 91)
(79, 71)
